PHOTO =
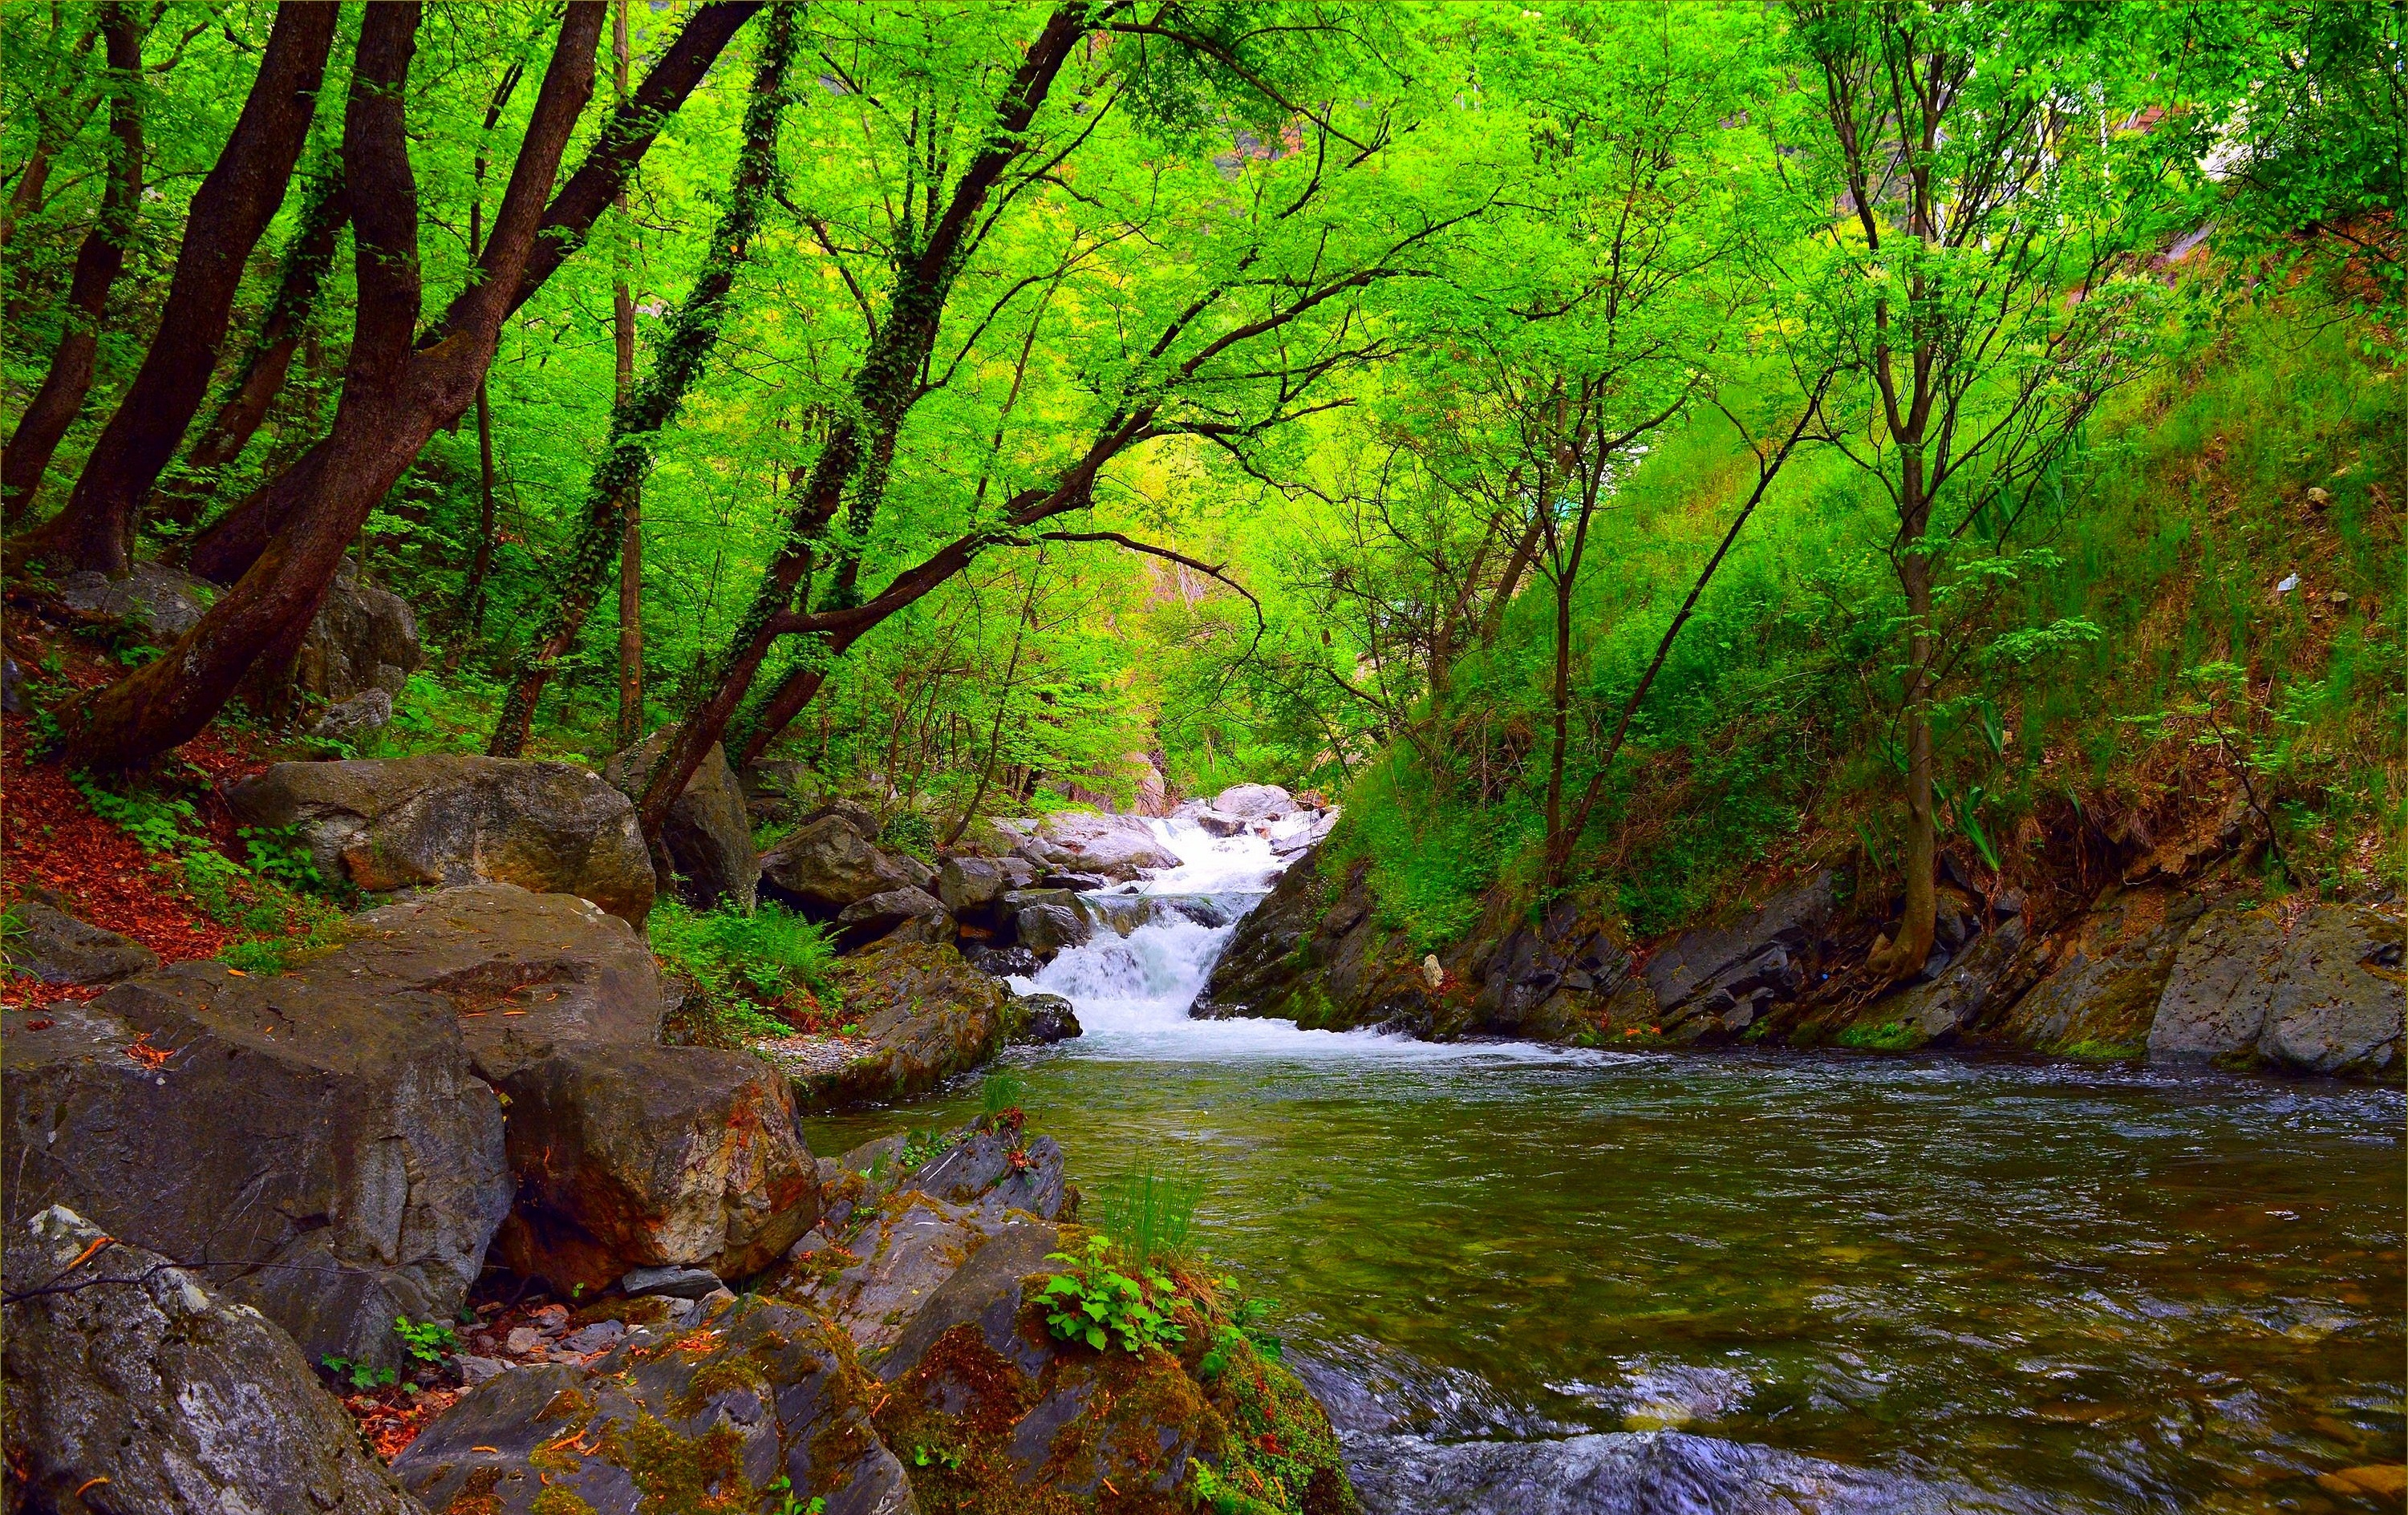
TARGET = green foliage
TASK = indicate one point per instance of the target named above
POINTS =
(282, 854)
(1888, 1037)
(742, 962)
(1243, 1328)
(1001, 1093)
(429, 1341)
(1093, 1301)
(1153, 1214)
(359, 1376)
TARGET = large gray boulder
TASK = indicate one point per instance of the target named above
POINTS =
(165, 602)
(974, 887)
(709, 833)
(1744, 967)
(439, 821)
(133, 1385)
(924, 1014)
(1254, 802)
(766, 1391)
(649, 1157)
(2105, 972)
(54, 948)
(364, 637)
(910, 914)
(530, 975)
(314, 1144)
(2318, 991)
(828, 863)
(1118, 848)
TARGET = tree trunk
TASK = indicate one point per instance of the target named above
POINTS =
(482, 565)
(228, 548)
(631, 547)
(393, 398)
(308, 259)
(60, 121)
(231, 209)
(98, 261)
(692, 334)
(1920, 924)
(1559, 704)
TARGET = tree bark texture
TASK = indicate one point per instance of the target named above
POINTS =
(631, 546)
(230, 211)
(98, 263)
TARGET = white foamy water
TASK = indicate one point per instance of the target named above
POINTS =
(1133, 993)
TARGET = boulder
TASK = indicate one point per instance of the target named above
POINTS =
(1253, 802)
(911, 914)
(1734, 972)
(1043, 1020)
(708, 834)
(924, 1015)
(54, 948)
(652, 1157)
(1006, 962)
(973, 887)
(2314, 990)
(528, 974)
(767, 1392)
(362, 716)
(1215, 823)
(998, 1172)
(1984, 977)
(828, 863)
(315, 1143)
(1118, 848)
(1046, 920)
(437, 820)
(134, 1378)
(167, 602)
(364, 637)
(676, 1282)
(1550, 983)
(2105, 973)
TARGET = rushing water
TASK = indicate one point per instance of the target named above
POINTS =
(2006, 1285)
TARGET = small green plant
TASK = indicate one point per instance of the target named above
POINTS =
(429, 1341)
(1244, 1329)
(742, 962)
(920, 1147)
(1153, 1214)
(282, 854)
(1094, 1302)
(913, 833)
(1001, 1094)
(791, 1502)
(1889, 1036)
(359, 1376)
(932, 1455)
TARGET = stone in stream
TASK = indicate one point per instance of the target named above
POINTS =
(132, 1386)
(443, 820)
(652, 1157)
(2106, 973)
(2314, 990)
(1117, 847)
(1254, 802)
(1044, 1020)
(1046, 920)
(53, 946)
(1006, 962)
(924, 1014)
(707, 835)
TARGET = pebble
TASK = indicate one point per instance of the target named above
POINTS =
(599, 1337)
(474, 1369)
(523, 1340)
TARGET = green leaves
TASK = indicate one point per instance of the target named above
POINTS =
(1095, 1304)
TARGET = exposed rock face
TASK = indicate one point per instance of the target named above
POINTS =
(55, 948)
(708, 834)
(927, 1016)
(550, 827)
(2101, 988)
(828, 863)
(1045, 921)
(1717, 980)
(767, 1393)
(137, 1380)
(910, 914)
(2320, 991)
(1118, 848)
(973, 887)
(364, 637)
(652, 1157)
(313, 1144)
(1005, 962)
(1043, 1020)
(1990, 973)
(1548, 983)
(167, 601)
(998, 1172)
(528, 974)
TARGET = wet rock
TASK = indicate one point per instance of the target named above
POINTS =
(1550, 983)
(676, 1280)
(2105, 973)
(2316, 992)
(317, 1137)
(528, 974)
(167, 602)
(1720, 978)
(440, 821)
(1044, 1020)
(1007, 961)
(356, 719)
(53, 946)
(912, 1245)
(1978, 982)
(142, 1382)
(1046, 920)
(768, 1393)
(905, 914)
(364, 637)
(652, 1157)
(924, 1015)
(1215, 823)
(1624, 1473)
(997, 1171)
(973, 887)
(1076, 883)
(828, 863)
(1118, 848)
(708, 836)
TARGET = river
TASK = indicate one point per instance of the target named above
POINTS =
(1984, 1285)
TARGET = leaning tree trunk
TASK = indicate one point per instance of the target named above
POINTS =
(233, 206)
(393, 397)
(98, 261)
(686, 347)
(631, 546)
(226, 550)
(308, 257)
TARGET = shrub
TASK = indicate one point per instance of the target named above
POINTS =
(748, 965)
(1094, 1302)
